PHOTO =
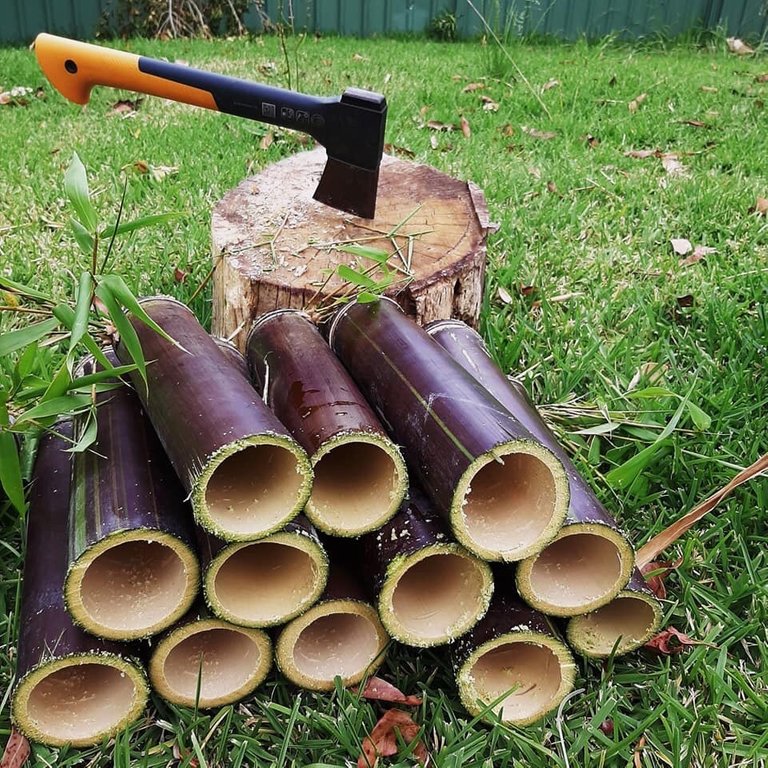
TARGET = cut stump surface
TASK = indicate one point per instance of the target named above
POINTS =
(275, 247)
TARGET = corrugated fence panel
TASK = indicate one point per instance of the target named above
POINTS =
(21, 20)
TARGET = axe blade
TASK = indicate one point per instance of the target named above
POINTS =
(348, 188)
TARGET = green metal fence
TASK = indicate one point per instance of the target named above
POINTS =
(21, 20)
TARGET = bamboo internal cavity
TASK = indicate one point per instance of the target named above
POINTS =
(132, 587)
(573, 573)
(357, 484)
(81, 702)
(250, 489)
(435, 599)
(265, 583)
(509, 506)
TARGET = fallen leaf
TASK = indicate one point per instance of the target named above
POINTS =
(642, 154)
(552, 188)
(472, 87)
(656, 572)
(685, 301)
(694, 123)
(699, 252)
(179, 275)
(671, 641)
(528, 290)
(672, 165)
(359, 57)
(553, 83)
(437, 125)
(394, 149)
(16, 97)
(637, 758)
(380, 690)
(760, 207)
(634, 105)
(592, 141)
(181, 62)
(489, 105)
(508, 129)
(142, 166)
(382, 741)
(762, 78)
(433, 141)
(739, 47)
(535, 172)
(16, 752)
(126, 107)
(708, 89)
(681, 246)
(537, 134)
(159, 172)
(465, 129)
(267, 140)
(504, 295)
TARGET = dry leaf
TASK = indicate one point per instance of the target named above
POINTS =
(634, 105)
(536, 134)
(159, 172)
(433, 141)
(472, 87)
(535, 172)
(685, 301)
(508, 129)
(653, 548)
(654, 372)
(16, 752)
(699, 252)
(126, 107)
(672, 165)
(380, 690)
(394, 149)
(437, 125)
(708, 89)
(504, 295)
(671, 641)
(489, 105)
(553, 83)
(181, 62)
(637, 757)
(465, 129)
(760, 207)
(382, 741)
(16, 97)
(694, 123)
(739, 47)
(179, 275)
(528, 290)
(762, 78)
(552, 188)
(267, 140)
(592, 141)
(656, 571)
(359, 57)
(142, 166)
(681, 246)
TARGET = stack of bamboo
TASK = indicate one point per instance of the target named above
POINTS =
(392, 484)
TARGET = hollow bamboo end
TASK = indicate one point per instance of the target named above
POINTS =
(266, 582)
(510, 502)
(210, 663)
(434, 595)
(79, 700)
(335, 638)
(516, 678)
(584, 568)
(252, 487)
(360, 480)
(622, 626)
(132, 584)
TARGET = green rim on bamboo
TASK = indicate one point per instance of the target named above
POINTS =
(266, 582)
(434, 595)
(132, 584)
(336, 638)
(516, 678)
(209, 663)
(358, 477)
(80, 699)
(585, 567)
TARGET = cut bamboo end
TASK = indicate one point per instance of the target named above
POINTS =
(336, 638)
(360, 480)
(80, 699)
(266, 582)
(622, 626)
(434, 595)
(132, 584)
(209, 663)
(516, 678)
(252, 487)
(510, 502)
(584, 568)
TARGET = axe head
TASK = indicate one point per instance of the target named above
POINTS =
(354, 142)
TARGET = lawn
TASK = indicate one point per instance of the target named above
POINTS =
(587, 301)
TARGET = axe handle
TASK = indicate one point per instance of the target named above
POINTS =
(74, 68)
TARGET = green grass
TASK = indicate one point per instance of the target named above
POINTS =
(600, 232)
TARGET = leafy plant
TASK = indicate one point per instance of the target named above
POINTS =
(32, 399)
(443, 27)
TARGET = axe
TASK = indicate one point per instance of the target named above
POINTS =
(350, 126)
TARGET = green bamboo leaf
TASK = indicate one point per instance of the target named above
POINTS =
(82, 310)
(122, 228)
(652, 392)
(128, 336)
(101, 376)
(57, 406)
(13, 340)
(701, 420)
(25, 363)
(378, 255)
(364, 297)
(355, 277)
(10, 471)
(76, 189)
(23, 290)
(66, 316)
(122, 293)
(59, 384)
(86, 436)
(83, 237)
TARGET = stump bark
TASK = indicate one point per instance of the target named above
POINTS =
(275, 247)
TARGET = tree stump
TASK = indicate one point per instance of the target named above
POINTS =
(275, 247)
